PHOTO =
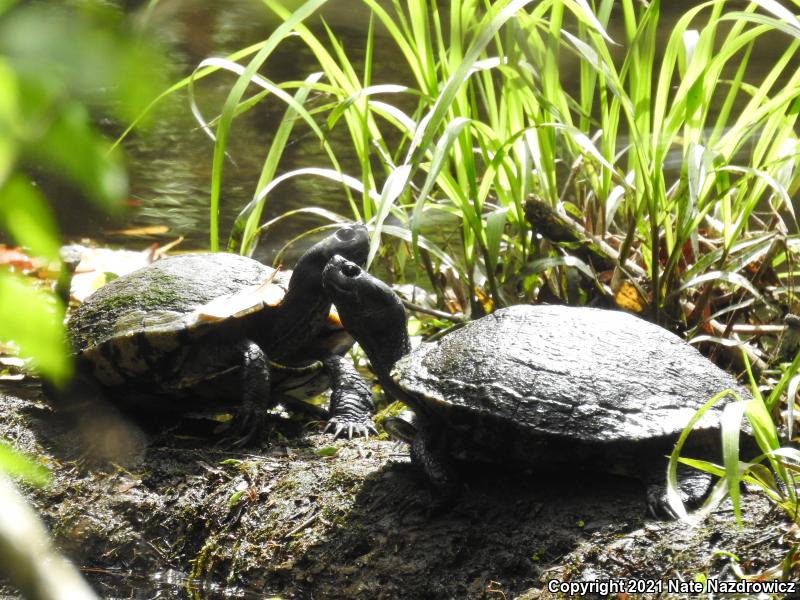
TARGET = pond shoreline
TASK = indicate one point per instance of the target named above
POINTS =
(288, 520)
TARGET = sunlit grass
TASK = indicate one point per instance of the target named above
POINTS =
(495, 120)
(775, 471)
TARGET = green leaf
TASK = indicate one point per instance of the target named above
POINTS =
(495, 225)
(731, 424)
(548, 262)
(25, 214)
(71, 146)
(9, 118)
(185, 82)
(441, 154)
(394, 185)
(6, 4)
(732, 278)
(489, 26)
(33, 319)
(673, 493)
(246, 223)
(327, 451)
(235, 497)
(232, 102)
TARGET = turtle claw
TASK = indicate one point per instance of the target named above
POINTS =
(427, 507)
(244, 430)
(340, 426)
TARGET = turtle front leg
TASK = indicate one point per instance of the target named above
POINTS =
(429, 449)
(351, 399)
(248, 422)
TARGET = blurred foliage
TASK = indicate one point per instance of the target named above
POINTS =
(63, 66)
(16, 465)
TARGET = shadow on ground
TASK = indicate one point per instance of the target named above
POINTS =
(311, 517)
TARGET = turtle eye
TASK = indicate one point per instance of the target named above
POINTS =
(346, 234)
(350, 270)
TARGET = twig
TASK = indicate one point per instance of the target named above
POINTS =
(302, 525)
(757, 329)
(756, 362)
(457, 318)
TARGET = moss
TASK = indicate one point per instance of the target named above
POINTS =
(203, 561)
(284, 487)
(94, 321)
(372, 538)
(342, 480)
(335, 515)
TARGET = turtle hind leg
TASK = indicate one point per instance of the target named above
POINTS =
(351, 399)
(429, 452)
(249, 421)
(694, 487)
(99, 433)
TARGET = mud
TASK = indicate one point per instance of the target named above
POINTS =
(304, 516)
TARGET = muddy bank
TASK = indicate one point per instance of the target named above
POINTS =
(308, 517)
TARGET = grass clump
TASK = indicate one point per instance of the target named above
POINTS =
(673, 155)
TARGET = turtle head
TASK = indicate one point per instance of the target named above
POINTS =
(370, 311)
(350, 241)
(305, 306)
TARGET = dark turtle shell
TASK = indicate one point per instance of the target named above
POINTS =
(582, 374)
(129, 324)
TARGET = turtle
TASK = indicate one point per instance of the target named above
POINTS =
(545, 385)
(218, 330)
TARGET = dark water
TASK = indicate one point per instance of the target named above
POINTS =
(165, 585)
(170, 164)
(170, 167)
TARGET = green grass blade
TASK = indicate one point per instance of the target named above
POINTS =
(490, 24)
(731, 425)
(673, 494)
(243, 53)
(441, 155)
(232, 101)
(394, 186)
(246, 224)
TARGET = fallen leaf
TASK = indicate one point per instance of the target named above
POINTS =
(140, 231)
(485, 300)
(327, 451)
(17, 260)
(127, 485)
(628, 298)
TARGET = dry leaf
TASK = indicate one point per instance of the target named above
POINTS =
(628, 298)
(140, 231)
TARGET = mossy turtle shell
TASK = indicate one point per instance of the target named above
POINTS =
(128, 324)
(572, 373)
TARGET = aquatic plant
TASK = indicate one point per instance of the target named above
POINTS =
(52, 61)
(673, 154)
